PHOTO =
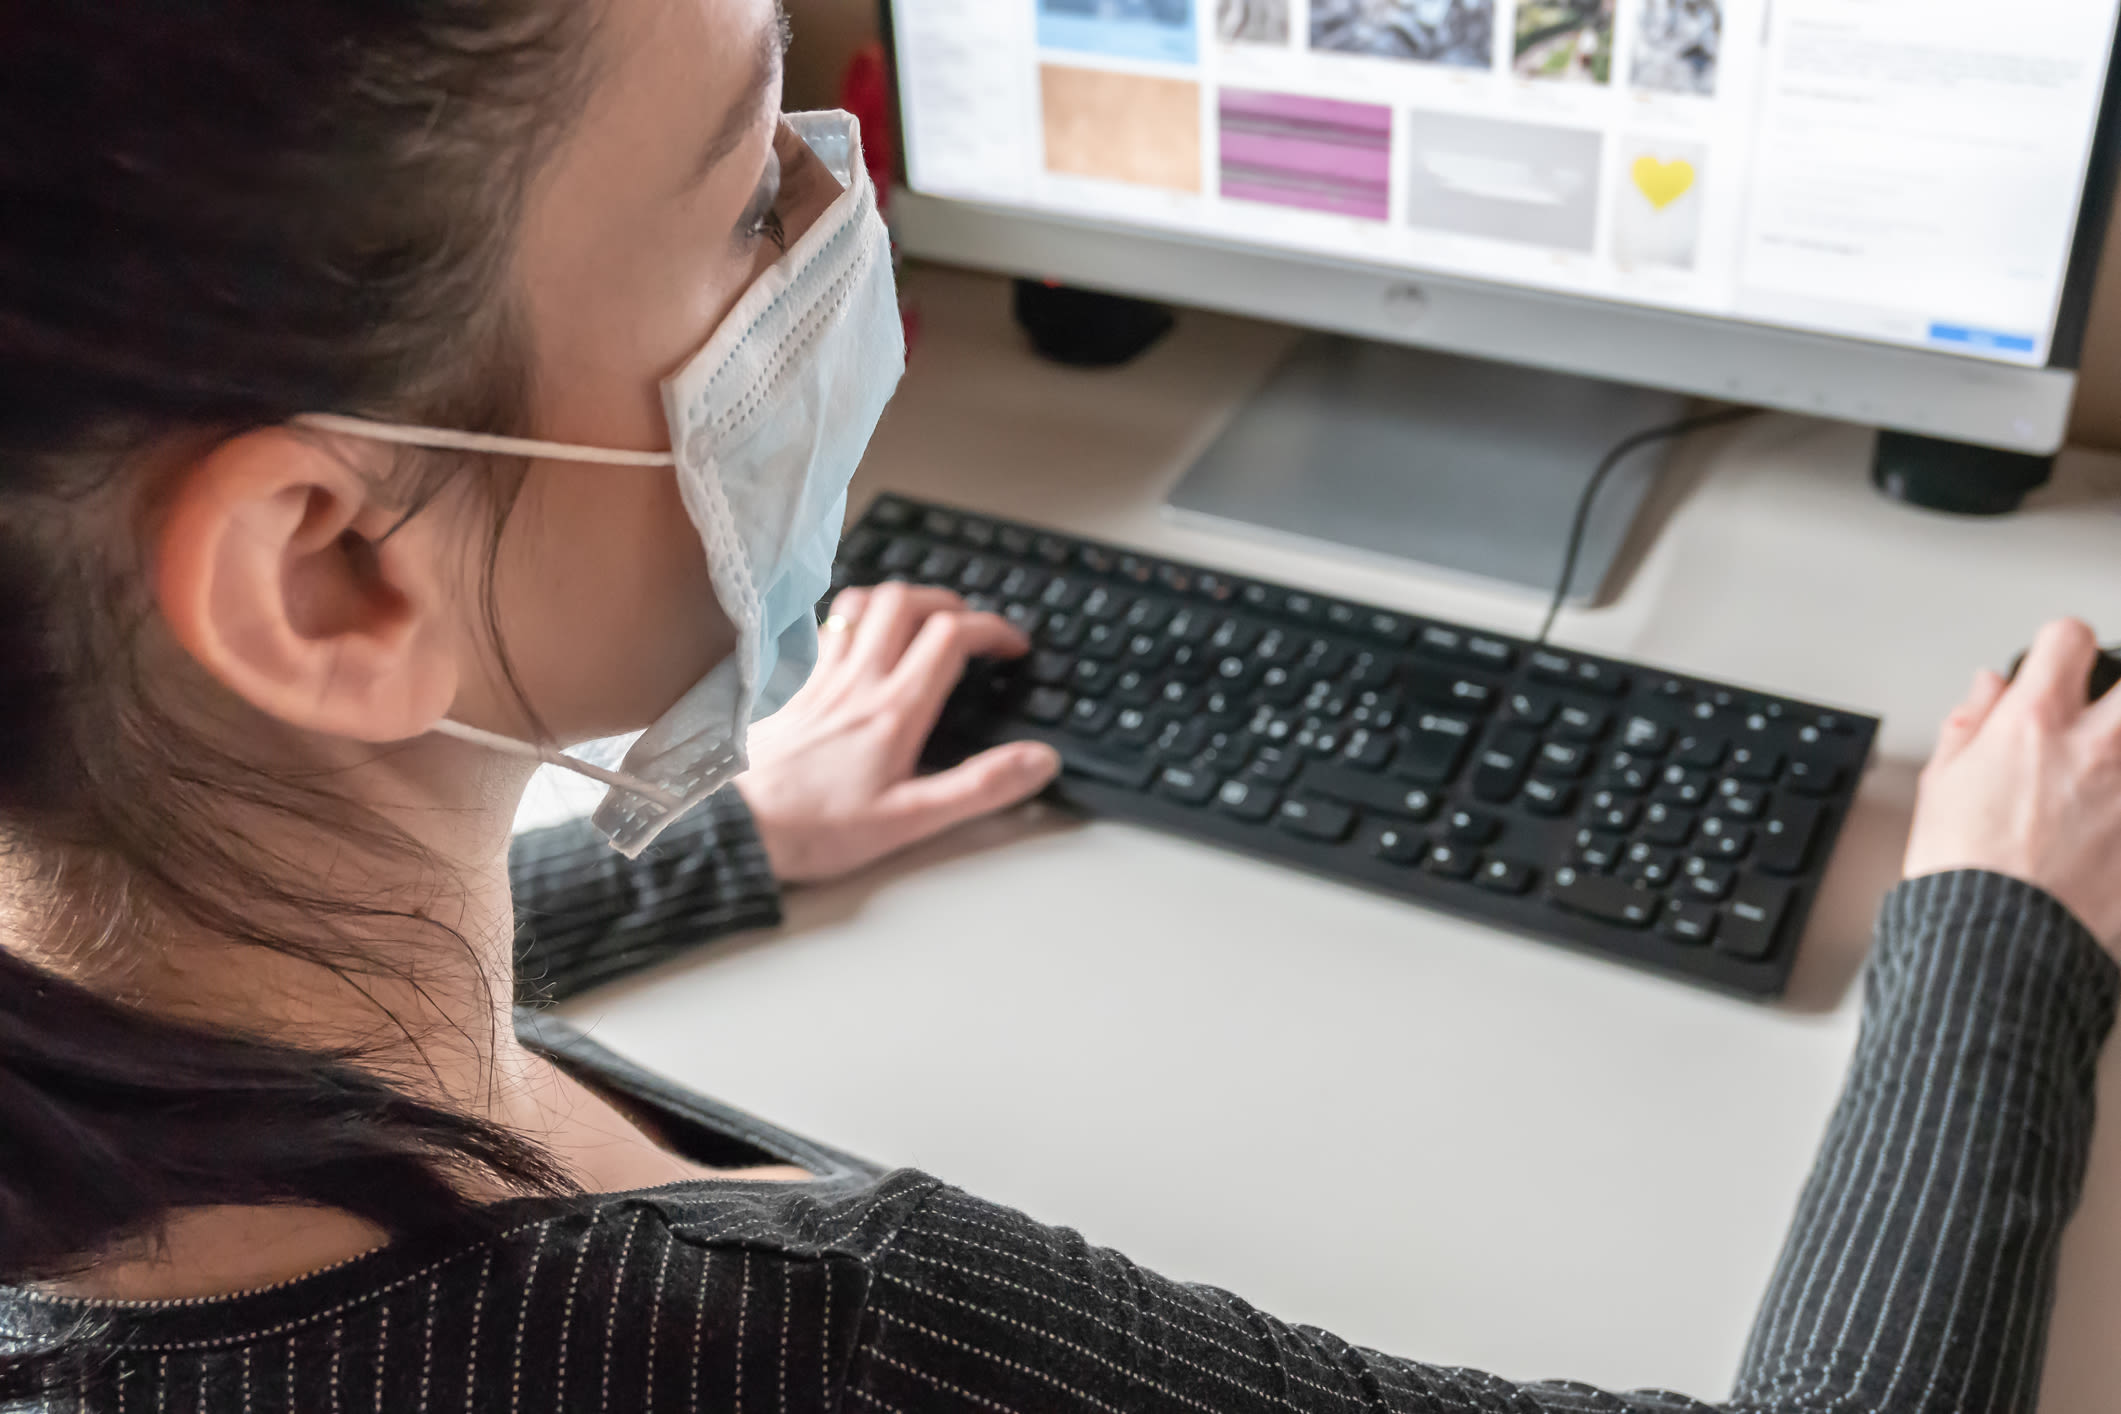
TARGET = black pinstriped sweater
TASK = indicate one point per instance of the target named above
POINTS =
(1917, 1274)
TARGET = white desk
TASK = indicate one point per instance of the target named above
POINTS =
(1229, 1070)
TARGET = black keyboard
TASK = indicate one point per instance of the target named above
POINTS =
(1661, 820)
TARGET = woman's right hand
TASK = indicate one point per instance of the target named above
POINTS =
(2027, 782)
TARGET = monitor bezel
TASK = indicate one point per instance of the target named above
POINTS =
(2020, 407)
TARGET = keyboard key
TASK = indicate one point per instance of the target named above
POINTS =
(1563, 759)
(1091, 717)
(1648, 865)
(1440, 642)
(1754, 918)
(1104, 604)
(1434, 750)
(1304, 607)
(1505, 876)
(1705, 879)
(1186, 785)
(1739, 799)
(1398, 846)
(1579, 723)
(902, 554)
(1645, 735)
(1246, 800)
(1668, 825)
(1602, 898)
(1598, 678)
(1367, 750)
(1472, 826)
(1374, 670)
(1702, 751)
(1491, 652)
(1552, 667)
(1023, 584)
(1598, 851)
(1316, 820)
(1113, 768)
(1532, 707)
(1133, 728)
(1235, 636)
(1456, 694)
(1547, 797)
(1189, 626)
(1379, 794)
(1786, 836)
(889, 512)
(1613, 813)
(1756, 763)
(1047, 705)
(1147, 616)
(941, 566)
(1450, 861)
(1724, 839)
(1684, 787)
(1810, 775)
(1275, 765)
(1395, 629)
(1503, 765)
(1687, 922)
(1629, 774)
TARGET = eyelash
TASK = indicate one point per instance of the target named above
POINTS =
(769, 227)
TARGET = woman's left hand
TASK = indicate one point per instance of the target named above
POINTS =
(832, 783)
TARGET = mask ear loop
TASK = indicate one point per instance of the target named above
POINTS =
(448, 439)
(553, 756)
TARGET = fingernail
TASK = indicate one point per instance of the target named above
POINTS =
(1042, 762)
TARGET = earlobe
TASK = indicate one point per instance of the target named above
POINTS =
(272, 570)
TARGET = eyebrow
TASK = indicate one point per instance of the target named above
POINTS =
(736, 125)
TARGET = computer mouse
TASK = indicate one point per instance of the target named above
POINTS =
(2106, 672)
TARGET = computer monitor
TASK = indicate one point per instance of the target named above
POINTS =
(1883, 211)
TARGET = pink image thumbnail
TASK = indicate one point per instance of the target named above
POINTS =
(1318, 154)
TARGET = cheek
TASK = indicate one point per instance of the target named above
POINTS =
(607, 609)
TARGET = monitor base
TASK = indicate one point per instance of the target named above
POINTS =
(1468, 466)
(1951, 476)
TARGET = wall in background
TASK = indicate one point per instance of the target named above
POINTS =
(827, 33)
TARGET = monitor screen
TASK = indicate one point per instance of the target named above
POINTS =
(1908, 172)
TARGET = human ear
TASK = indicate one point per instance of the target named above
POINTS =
(277, 570)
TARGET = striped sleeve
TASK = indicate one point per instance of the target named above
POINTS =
(586, 915)
(1917, 1276)
(1920, 1270)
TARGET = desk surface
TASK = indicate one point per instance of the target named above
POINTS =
(1230, 1071)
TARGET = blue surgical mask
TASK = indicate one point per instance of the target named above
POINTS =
(767, 424)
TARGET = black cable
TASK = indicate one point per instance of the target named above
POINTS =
(1682, 428)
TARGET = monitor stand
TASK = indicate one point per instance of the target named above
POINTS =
(1457, 463)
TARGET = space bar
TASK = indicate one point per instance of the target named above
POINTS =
(1129, 770)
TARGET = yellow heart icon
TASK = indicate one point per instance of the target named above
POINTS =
(1663, 182)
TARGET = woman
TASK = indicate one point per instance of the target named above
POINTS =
(269, 684)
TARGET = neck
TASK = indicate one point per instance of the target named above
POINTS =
(428, 1007)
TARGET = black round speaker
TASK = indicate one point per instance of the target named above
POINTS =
(1086, 328)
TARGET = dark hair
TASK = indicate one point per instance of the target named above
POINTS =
(221, 213)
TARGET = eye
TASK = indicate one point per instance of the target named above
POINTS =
(762, 218)
(768, 227)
